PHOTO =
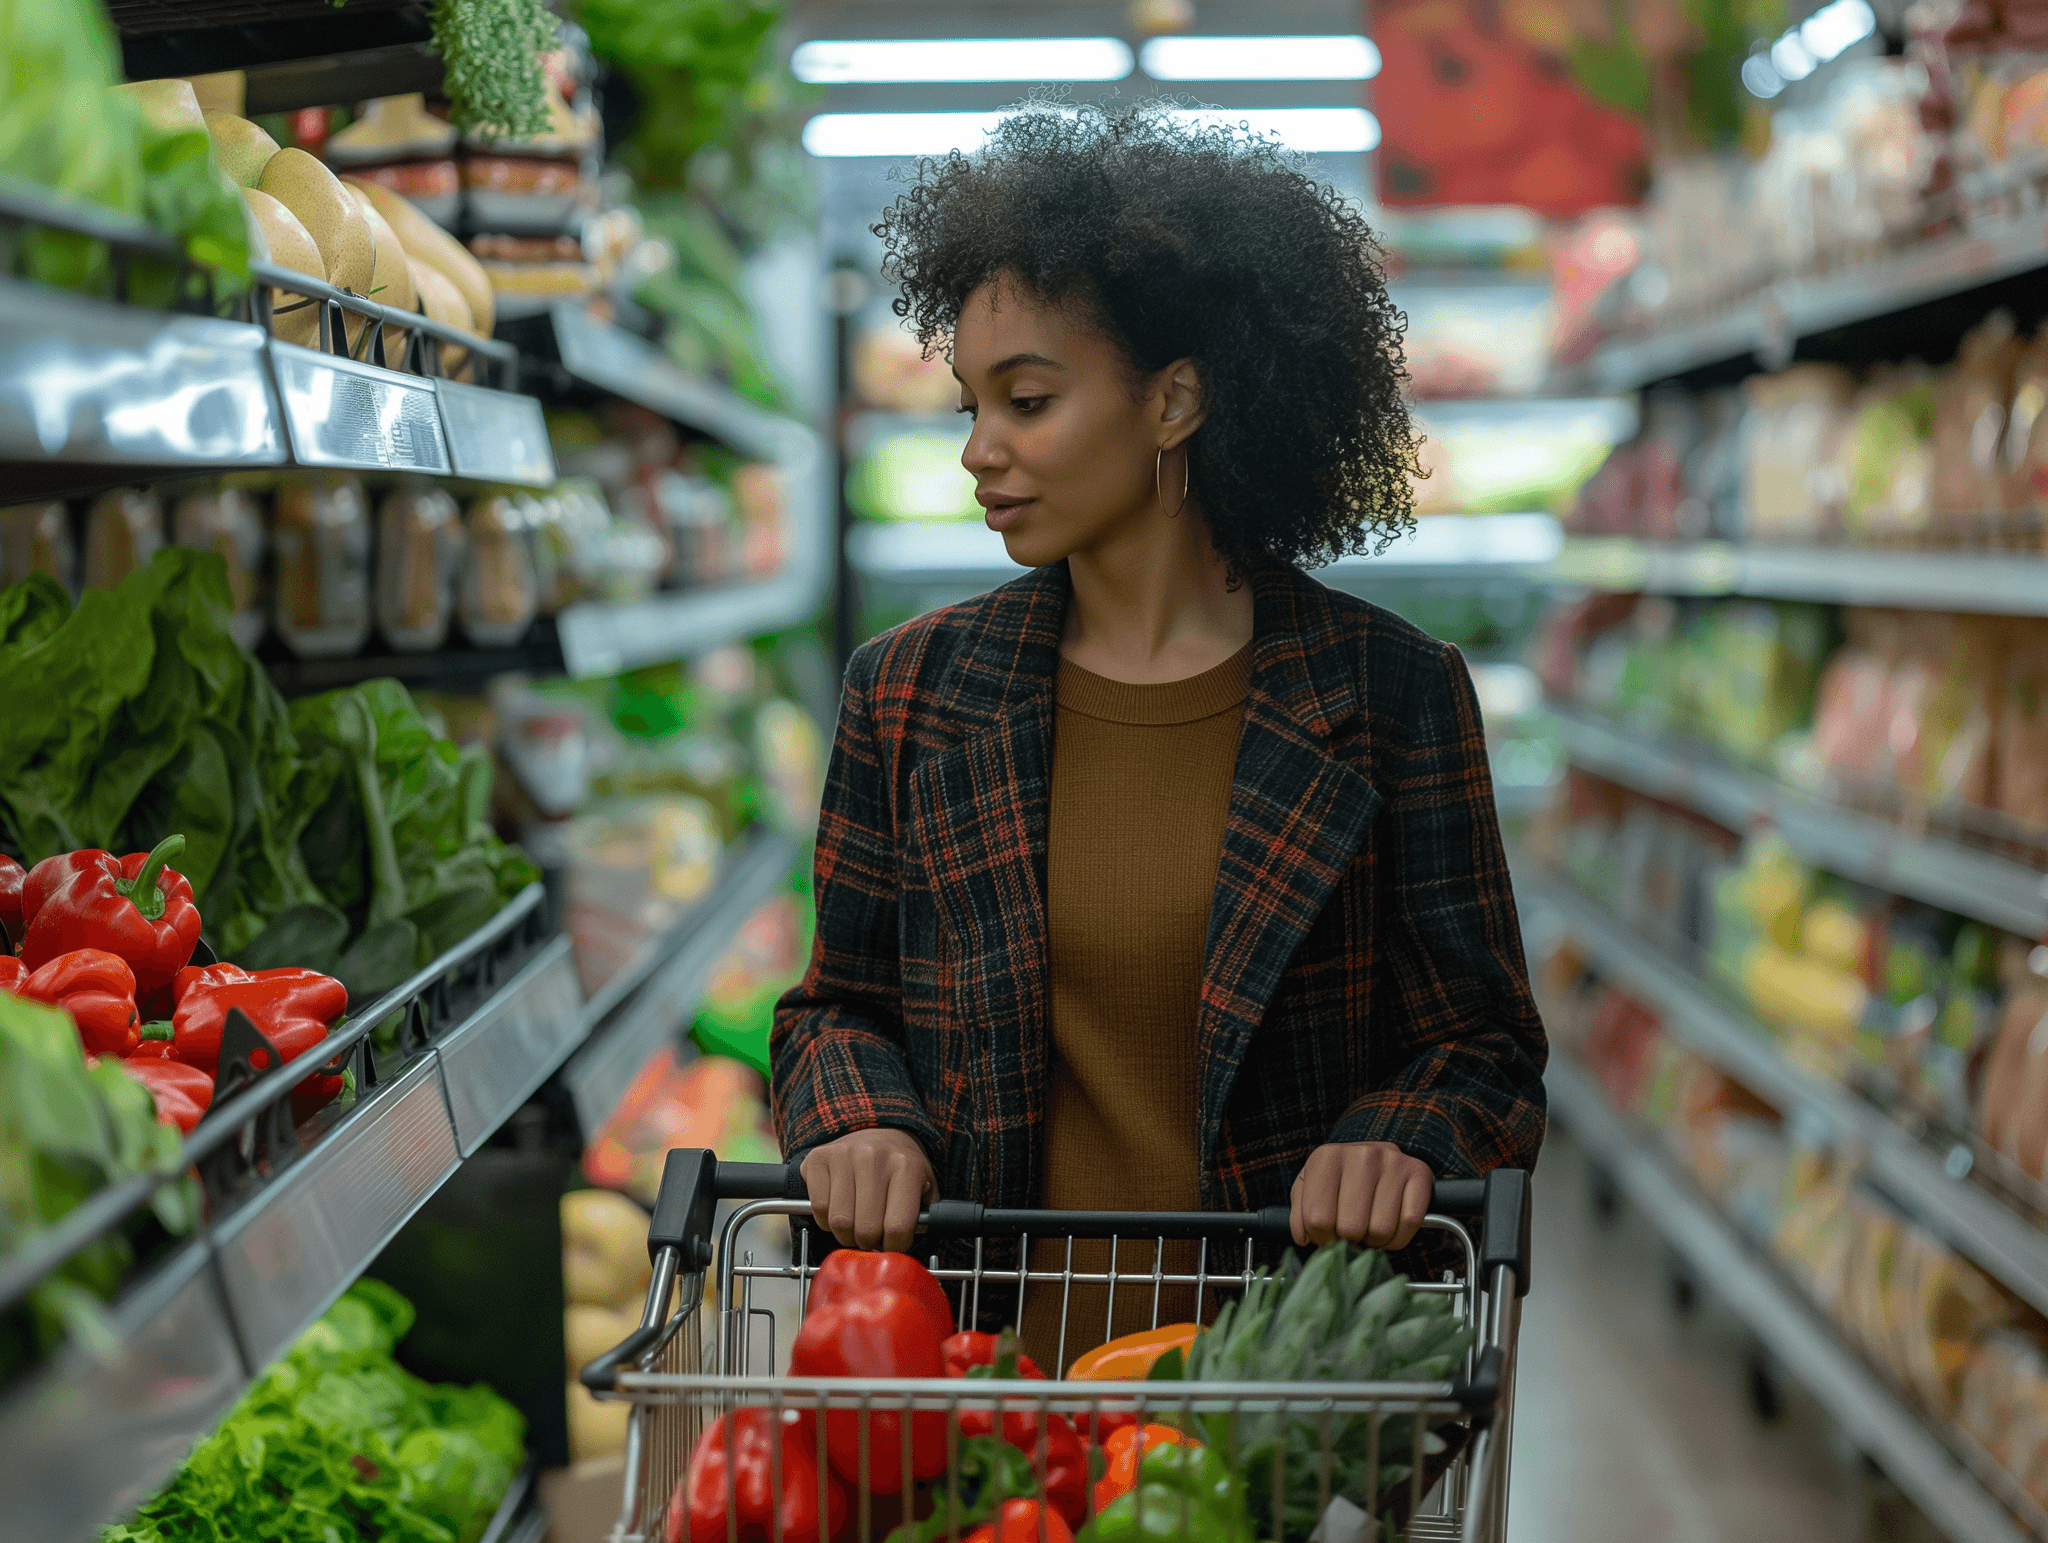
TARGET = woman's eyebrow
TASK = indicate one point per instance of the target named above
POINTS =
(1016, 362)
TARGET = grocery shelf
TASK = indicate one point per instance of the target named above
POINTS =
(1771, 322)
(574, 355)
(1962, 1215)
(966, 555)
(1857, 846)
(1865, 1407)
(198, 37)
(647, 1005)
(1998, 583)
(85, 1438)
(94, 393)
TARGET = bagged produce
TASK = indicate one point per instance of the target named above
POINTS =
(2020, 756)
(419, 554)
(320, 530)
(1969, 425)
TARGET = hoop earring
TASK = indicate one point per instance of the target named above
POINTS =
(1159, 492)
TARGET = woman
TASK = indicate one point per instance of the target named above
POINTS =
(1162, 877)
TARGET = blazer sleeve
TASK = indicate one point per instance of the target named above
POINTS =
(837, 1047)
(1457, 1068)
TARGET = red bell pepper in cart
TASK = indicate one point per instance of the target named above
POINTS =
(1066, 1456)
(886, 1334)
(133, 906)
(968, 1349)
(733, 1470)
(98, 990)
(292, 1009)
(847, 1273)
(181, 1092)
(11, 876)
(1022, 1521)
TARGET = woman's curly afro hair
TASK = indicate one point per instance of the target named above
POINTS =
(1182, 237)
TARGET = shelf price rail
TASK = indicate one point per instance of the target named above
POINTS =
(96, 392)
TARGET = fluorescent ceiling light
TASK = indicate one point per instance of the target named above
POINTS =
(1790, 58)
(862, 61)
(1311, 130)
(1348, 57)
(1826, 35)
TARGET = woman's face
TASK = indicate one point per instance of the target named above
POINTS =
(1064, 439)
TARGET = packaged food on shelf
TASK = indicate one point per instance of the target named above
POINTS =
(123, 530)
(420, 551)
(535, 267)
(500, 591)
(765, 960)
(635, 865)
(710, 1101)
(320, 531)
(397, 143)
(223, 518)
(2003, 1405)
(36, 538)
(338, 1416)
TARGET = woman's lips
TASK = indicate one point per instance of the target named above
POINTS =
(1001, 517)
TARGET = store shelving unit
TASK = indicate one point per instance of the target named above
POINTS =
(94, 393)
(1995, 583)
(649, 1002)
(1864, 1404)
(950, 559)
(1772, 322)
(1857, 846)
(571, 354)
(1921, 1181)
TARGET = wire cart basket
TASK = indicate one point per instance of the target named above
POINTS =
(690, 1362)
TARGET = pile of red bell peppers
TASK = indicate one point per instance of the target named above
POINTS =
(110, 940)
(872, 1316)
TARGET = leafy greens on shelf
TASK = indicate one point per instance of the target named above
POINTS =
(338, 1443)
(136, 714)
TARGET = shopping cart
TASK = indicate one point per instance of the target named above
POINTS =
(678, 1378)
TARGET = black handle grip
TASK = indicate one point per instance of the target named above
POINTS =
(1458, 1197)
(601, 1375)
(760, 1181)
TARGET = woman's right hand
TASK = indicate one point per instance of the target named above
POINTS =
(867, 1188)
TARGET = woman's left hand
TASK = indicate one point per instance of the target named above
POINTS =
(1362, 1191)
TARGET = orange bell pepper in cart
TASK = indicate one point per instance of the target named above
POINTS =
(1130, 1358)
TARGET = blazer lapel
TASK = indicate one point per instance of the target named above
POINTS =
(1297, 818)
(981, 808)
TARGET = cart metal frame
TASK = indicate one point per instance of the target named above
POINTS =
(663, 1369)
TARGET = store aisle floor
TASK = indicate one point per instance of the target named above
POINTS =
(1633, 1424)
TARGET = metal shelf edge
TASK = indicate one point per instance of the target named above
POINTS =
(1972, 1222)
(633, 1025)
(1858, 846)
(1997, 584)
(1916, 1459)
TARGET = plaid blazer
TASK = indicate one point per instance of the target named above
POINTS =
(1364, 977)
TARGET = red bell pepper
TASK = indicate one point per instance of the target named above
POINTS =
(1065, 1456)
(968, 1349)
(98, 990)
(12, 973)
(1023, 1521)
(132, 906)
(850, 1272)
(886, 1334)
(291, 1007)
(730, 1483)
(181, 1092)
(11, 876)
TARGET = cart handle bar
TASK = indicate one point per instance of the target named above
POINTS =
(693, 1181)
